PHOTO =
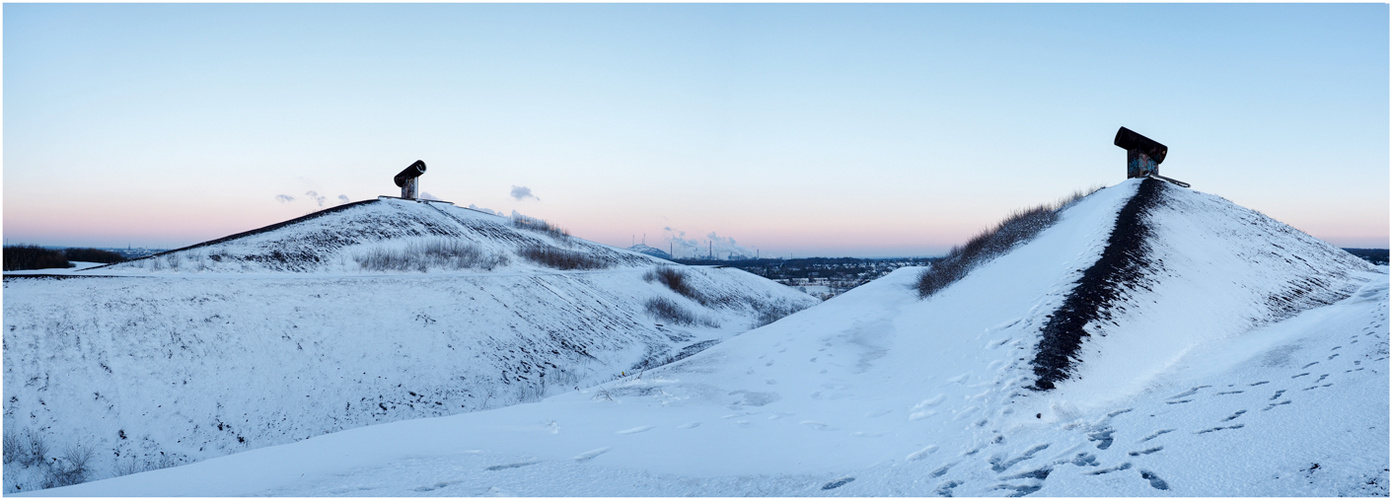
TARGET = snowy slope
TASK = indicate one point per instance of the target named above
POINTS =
(1207, 375)
(155, 365)
(336, 239)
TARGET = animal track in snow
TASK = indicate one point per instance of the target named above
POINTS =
(1119, 412)
(1254, 384)
(1182, 401)
(813, 424)
(635, 430)
(689, 425)
(1298, 375)
(1224, 393)
(1277, 395)
(941, 470)
(1309, 365)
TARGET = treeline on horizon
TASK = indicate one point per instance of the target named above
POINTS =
(21, 257)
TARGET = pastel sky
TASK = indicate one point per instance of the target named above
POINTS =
(798, 130)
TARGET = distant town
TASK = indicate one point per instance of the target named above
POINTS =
(821, 277)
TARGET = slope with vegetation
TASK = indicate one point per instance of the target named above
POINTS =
(370, 313)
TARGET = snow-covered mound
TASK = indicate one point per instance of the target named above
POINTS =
(383, 234)
(1211, 366)
(278, 335)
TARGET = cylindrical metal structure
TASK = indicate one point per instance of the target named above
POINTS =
(1131, 141)
(411, 172)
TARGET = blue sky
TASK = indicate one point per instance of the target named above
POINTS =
(863, 130)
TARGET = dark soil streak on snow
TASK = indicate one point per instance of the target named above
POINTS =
(1121, 267)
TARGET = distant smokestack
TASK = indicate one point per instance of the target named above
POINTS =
(407, 180)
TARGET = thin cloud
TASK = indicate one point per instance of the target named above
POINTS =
(522, 193)
(284, 198)
(315, 196)
(343, 198)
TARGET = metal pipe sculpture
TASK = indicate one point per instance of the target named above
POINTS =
(407, 180)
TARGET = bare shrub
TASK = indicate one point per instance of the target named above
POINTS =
(673, 312)
(534, 224)
(132, 465)
(436, 254)
(564, 260)
(773, 311)
(675, 279)
(72, 468)
(33, 449)
(1018, 227)
(12, 447)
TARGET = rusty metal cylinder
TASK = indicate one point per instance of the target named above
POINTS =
(411, 172)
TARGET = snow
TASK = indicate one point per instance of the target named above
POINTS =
(150, 365)
(879, 393)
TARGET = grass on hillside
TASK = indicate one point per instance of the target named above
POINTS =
(1020, 226)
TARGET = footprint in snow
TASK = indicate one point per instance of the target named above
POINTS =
(1157, 434)
(1192, 391)
(590, 455)
(1234, 416)
(921, 454)
(1273, 405)
(1155, 481)
(433, 487)
(1146, 451)
(635, 430)
(837, 483)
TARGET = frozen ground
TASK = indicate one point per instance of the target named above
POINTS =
(183, 357)
(1248, 360)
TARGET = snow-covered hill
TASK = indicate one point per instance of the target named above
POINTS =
(1220, 354)
(282, 333)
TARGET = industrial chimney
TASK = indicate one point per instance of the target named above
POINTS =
(407, 180)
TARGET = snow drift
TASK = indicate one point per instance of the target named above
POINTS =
(1230, 356)
(280, 334)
